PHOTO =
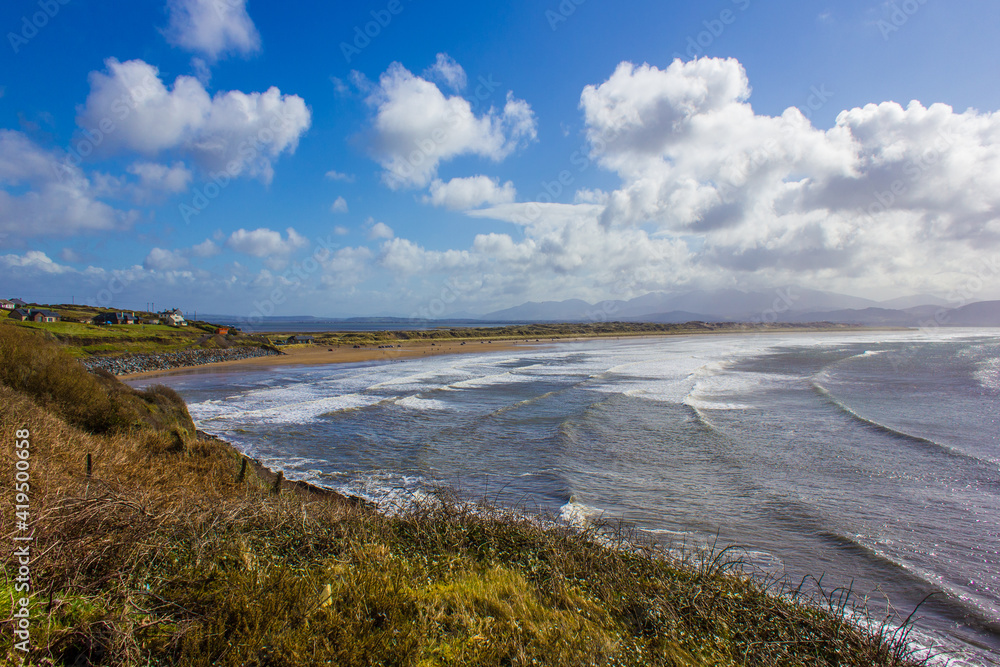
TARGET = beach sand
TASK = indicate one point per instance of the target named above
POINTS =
(315, 355)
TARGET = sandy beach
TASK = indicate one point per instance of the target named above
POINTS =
(315, 355)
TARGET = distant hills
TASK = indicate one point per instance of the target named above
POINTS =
(787, 305)
(778, 305)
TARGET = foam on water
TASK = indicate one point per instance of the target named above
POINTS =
(418, 403)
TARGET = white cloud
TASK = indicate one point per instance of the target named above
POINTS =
(129, 109)
(378, 230)
(206, 248)
(334, 175)
(341, 231)
(32, 261)
(339, 206)
(416, 127)
(265, 242)
(447, 71)
(59, 198)
(904, 197)
(460, 194)
(212, 27)
(346, 267)
(160, 259)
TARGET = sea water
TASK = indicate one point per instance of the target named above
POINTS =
(868, 461)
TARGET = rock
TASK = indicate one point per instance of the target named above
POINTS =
(127, 364)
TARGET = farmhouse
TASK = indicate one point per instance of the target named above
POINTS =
(174, 318)
(115, 318)
(300, 339)
(25, 315)
(7, 305)
(44, 316)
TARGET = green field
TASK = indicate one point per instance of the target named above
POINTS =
(83, 340)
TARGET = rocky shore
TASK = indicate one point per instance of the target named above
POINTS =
(142, 363)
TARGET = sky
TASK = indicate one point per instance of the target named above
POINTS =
(429, 159)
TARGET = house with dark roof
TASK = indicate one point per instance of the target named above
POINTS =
(115, 318)
(44, 316)
(7, 305)
(18, 302)
(300, 339)
(26, 314)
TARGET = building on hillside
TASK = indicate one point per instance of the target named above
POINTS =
(19, 303)
(174, 318)
(300, 339)
(222, 331)
(7, 305)
(26, 315)
(115, 318)
(44, 316)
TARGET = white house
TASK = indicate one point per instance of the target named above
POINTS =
(174, 318)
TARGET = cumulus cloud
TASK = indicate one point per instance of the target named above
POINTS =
(129, 109)
(346, 267)
(160, 259)
(416, 127)
(212, 27)
(265, 242)
(32, 261)
(339, 205)
(152, 182)
(460, 194)
(447, 71)
(43, 195)
(335, 175)
(206, 248)
(888, 192)
(160, 177)
(714, 195)
(378, 230)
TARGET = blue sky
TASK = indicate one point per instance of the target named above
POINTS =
(465, 157)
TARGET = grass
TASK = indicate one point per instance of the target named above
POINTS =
(164, 556)
(82, 340)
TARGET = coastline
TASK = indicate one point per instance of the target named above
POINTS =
(401, 350)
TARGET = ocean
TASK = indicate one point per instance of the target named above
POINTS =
(866, 461)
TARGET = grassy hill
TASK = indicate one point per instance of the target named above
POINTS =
(82, 339)
(170, 551)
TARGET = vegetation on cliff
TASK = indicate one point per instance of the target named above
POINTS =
(172, 552)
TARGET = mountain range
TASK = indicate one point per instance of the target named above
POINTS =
(789, 304)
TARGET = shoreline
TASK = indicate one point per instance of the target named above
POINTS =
(401, 350)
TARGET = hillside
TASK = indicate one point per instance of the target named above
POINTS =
(156, 545)
(83, 340)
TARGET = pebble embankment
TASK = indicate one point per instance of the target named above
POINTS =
(142, 363)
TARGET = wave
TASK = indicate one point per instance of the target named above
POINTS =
(579, 515)
(959, 602)
(895, 433)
